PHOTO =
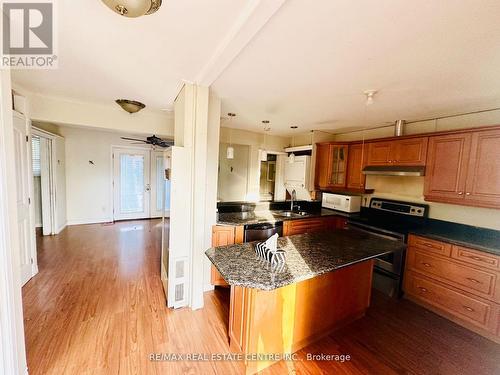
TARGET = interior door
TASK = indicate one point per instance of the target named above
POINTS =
(23, 175)
(131, 183)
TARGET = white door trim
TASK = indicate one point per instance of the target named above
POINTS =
(49, 192)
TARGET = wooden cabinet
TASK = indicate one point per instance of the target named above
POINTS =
(483, 177)
(356, 161)
(322, 180)
(314, 225)
(408, 151)
(464, 169)
(446, 171)
(223, 235)
(331, 166)
(459, 283)
(338, 165)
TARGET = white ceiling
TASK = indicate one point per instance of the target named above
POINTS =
(308, 66)
(103, 57)
(311, 63)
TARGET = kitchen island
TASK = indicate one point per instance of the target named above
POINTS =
(324, 284)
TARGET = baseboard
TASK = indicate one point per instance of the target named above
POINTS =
(60, 229)
(89, 221)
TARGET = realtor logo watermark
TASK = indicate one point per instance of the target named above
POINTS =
(29, 34)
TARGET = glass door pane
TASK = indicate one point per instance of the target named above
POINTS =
(131, 183)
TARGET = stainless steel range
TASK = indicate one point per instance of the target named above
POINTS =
(394, 220)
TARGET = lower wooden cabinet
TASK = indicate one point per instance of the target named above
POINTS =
(459, 283)
(314, 225)
(223, 235)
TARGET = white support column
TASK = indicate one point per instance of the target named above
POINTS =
(192, 112)
(12, 349)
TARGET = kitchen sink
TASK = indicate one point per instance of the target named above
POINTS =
(291, 214)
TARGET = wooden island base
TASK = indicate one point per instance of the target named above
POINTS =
(285, 320)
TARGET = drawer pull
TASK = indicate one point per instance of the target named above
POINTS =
(423, 289)
(426, 264)
(468, 308)
(429, 245)
(474, 280)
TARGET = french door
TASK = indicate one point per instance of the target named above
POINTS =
(23, 168)
(139, 186)
(131, 183)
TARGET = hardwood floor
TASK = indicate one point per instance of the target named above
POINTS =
(97, 307)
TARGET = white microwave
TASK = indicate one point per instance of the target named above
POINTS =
(345, 203)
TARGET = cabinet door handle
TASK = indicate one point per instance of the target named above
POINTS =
(474, 280)
(422, 289)
(468, 308)
(426, 264)
(460, 193)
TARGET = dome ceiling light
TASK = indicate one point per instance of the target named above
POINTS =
(133, 8)
(131, 106)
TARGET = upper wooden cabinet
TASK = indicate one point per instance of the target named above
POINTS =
(464, 169)
(355, 163)
(483, 177)
(331, 165)
(408, 151)
(338, 169)
(322, 179)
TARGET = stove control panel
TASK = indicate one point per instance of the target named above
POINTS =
(404, 208)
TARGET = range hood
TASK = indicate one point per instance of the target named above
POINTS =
(394, 170)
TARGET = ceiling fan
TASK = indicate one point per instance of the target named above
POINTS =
(153, 140)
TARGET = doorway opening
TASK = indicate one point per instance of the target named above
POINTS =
(43, 182)
(268, 178)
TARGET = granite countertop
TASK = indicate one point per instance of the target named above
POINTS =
(307, 256)
(271, 216)
(482, 239)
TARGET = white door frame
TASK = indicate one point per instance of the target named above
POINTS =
(12, 345)
(153, 212)
(49, 191)
(112, 184)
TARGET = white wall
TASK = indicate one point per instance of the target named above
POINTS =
(89, 196)
(233, 173)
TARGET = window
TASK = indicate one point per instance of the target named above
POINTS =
(35, 155)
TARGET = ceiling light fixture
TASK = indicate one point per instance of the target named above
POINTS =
(291, 157)
(131, 106)
(133, 8)
(267, 128)
(230, 149)
(369, 96)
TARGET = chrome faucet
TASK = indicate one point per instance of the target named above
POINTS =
(294, 198)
